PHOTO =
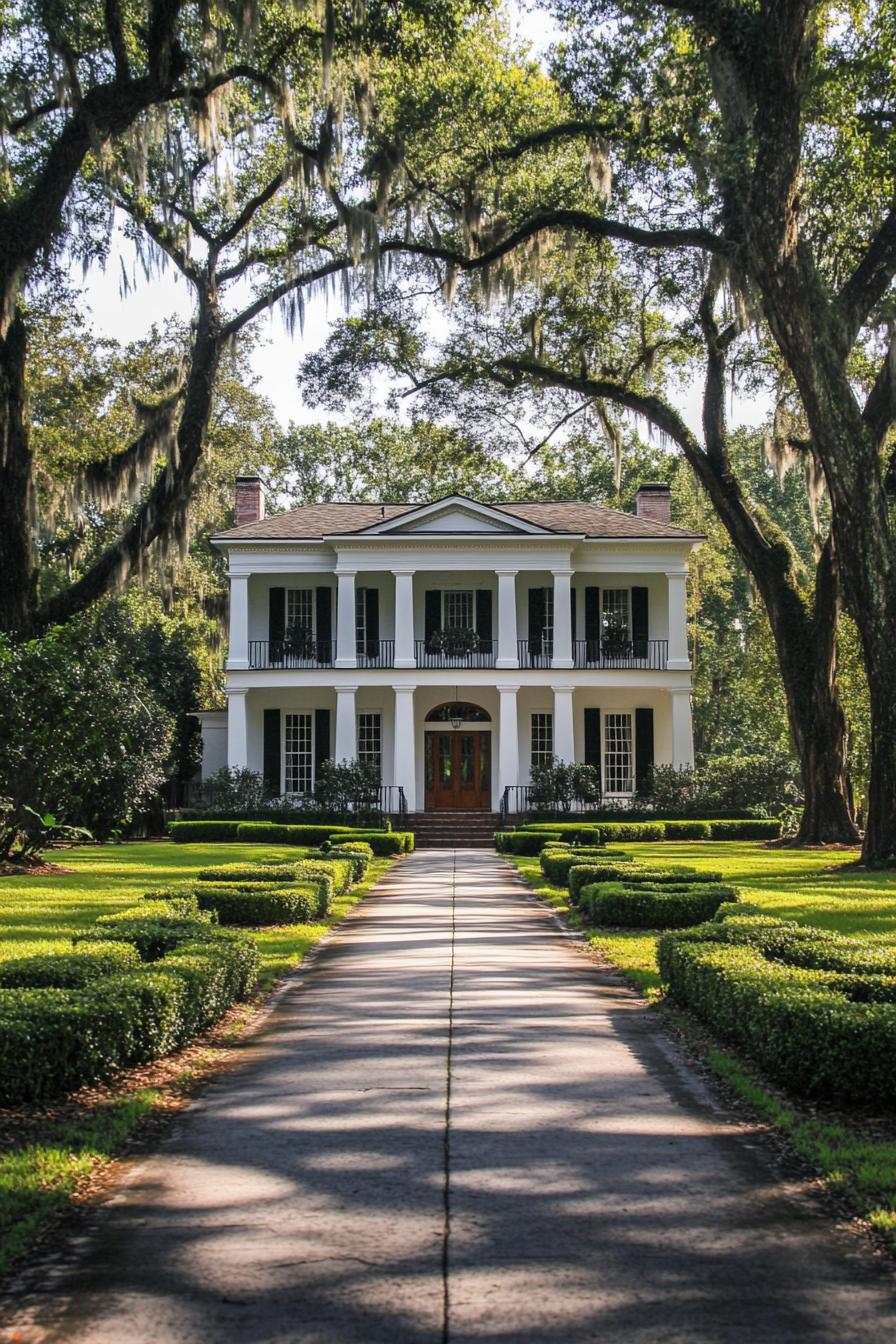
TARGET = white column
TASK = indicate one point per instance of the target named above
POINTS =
(346, 650)
(238, 643)
(678, 621)
(404, 618)
(508, 739)
(564, 737)
(508, 654)
(237, 730)
(404, 754)
(346, 748)
(562, 618)
(682, 731)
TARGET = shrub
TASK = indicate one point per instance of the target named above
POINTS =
(687, 830)
(201, 832)
(235, 789)
(350, 786)
(579, 832)
(745, 830)
(323, 877)
(339, 870)
(557, 784)
(581, 875)
(382, 843)
(250, 872)
(53, 1040)
(523, 843)
(632, 831)
(766, 781)
(816, 1029)
(653, 905)
(358, 854)
(68, 970)
(254, 908)
(556, 863)
(153, 934)
(266, 833)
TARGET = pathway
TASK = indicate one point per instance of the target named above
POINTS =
(584, 1187)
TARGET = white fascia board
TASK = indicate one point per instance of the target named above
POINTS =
(462, 678)
(456, 553)
(504, 522)
(633, 555)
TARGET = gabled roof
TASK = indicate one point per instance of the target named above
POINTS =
(315, 522)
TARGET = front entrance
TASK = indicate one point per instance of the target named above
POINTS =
(458, 770)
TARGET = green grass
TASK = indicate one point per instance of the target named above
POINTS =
(39, 914)
(813, 887)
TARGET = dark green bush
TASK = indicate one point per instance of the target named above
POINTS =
(250, 872)
(383, 843)
(687, 830)
(358, 854)
(153, 934)
(68, 970)
(816, 1030)
(265, 904)
(556, 863)
(199, 832)
(55, 1040)
(633, 831)
(745, 830)
(266, 833)
(338, 870)
(523, 843)
(617, 867)
(646, 905)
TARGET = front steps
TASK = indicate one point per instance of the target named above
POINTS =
(453, 830)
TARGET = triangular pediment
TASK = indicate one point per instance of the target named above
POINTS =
(454, 515)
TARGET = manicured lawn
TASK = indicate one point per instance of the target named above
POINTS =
(39, 1178)
(813, 887)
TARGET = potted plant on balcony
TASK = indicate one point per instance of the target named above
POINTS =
(615, 640)
(299, 643)
(455, 642)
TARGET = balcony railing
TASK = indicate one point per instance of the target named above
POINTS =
(376, 653)
(280, 653)
(484, 656)
(517, 801)
(652, 654)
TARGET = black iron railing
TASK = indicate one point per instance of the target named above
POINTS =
(283, 654)
(484, 656)
(375, 653)
(517, 800)
(534, 652)
(652, 654)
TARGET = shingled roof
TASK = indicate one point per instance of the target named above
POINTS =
(313, 522)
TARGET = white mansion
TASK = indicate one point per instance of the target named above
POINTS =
(455, 643)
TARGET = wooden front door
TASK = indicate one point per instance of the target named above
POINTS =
(458, 770)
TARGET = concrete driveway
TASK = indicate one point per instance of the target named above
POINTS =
(455, 1128)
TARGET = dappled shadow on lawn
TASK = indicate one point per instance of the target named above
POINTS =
(593, 1192)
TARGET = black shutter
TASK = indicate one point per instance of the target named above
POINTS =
(572, 616)
(536, 619)
(271, 749)
(484, 618)
(372, 620)
(643, 744)
(592, 739)
(592, 624)
(321, 738)
(432, 613)
(639, 622)
(323, 603)
(276, 623)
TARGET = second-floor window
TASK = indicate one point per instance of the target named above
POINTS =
(300, 608)
(458, 611)
(616, 609)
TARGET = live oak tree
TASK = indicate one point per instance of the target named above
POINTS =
(742, 163)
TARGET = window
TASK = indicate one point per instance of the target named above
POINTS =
(542, 739)
(458, 611)
(370, 739)
(300, 608)
(548, 638)
(615, 613)
(297, 753)
(617, 753)
(361, 619)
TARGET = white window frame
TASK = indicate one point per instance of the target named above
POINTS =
(377, 714)
(449, 593)
(290, 620)
(541, 757)
(606, 716)
(287, 750)
(616, 606)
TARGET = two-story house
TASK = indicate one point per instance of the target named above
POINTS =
(455, 643)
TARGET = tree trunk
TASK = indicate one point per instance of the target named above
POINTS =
(17, 573)
(880, 830)
(819, 729)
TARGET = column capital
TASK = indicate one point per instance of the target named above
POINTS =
(506, 573)
(411, 689)
(344, 572)
(345, 690)
(507, 690)
(676, 573)
(236, 691)
(407, 573)
(562, 573)
(562, 689)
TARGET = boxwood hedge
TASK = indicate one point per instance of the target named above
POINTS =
(383, 843)
(201, 832)
(820, 1028)
(523, 843)
(250, 872)
(631, 831)
(68, 970)
(653, 905)
(255, 907)
(54, 1039)
(266, 833)
(556, 863)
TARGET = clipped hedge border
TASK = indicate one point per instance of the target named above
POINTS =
(556, 863)
(383, 843)
(54, 1040)
(525, 844)
(295, 904)
(250, 872)
(817, 1030)
(199, 832)
(647, 905)
(69, 970)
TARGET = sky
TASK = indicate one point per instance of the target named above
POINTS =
(278, 354)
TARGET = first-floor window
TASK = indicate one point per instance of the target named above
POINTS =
(618, 753)
(298, 755)
(370, 741)
(542, 739)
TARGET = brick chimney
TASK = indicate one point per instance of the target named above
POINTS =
(654, 501)
(249, 500)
